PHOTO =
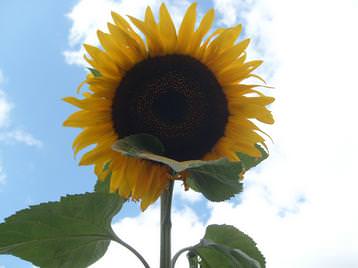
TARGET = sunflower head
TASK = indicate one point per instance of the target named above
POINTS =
(185, 86)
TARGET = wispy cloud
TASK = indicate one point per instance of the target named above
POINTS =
(9, 133)
(5, 108)
(20, 136)
(231, 11)
(2, 176)
(89, 15)
(1, 77)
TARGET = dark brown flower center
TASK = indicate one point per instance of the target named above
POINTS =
(175, 98)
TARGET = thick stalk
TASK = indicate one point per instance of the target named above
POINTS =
(165, 226)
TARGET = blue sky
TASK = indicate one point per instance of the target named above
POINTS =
(295, 197)
(36, 77)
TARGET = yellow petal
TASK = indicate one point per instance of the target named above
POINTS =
(123, 185)
(140, 184)
(201, 52)
(119, 165)
(114, 50)
(243, 122)
(155, 46)
(233, 75)
(127, 45)
(87, 118)
(135, 171)
(251, 92)
(94, 104)
(227, 38)
(87, 94)
(226, 150)
(229, 56)
(234, 90)
(186, 29)
(100, 153)
(101, 61)
(103, 87)
(124, 25)
(159, 183)
(148, 189)
(167, 29)
(153, 27)
(211, 156)
(202, 30)
(230, 147)
(253, 111)
(81, 85)
(92, 135)
(243, 135)
(103, 92)
(104, 82)
(263, 101)
(222, 42)
(257, 77)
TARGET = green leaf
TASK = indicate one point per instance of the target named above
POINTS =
(95, 72)
(74, 232)
(226, 247)
(216, 180)
(103, 186)
(249, 161)
(219, 180)
(138, 145)
(148, 147)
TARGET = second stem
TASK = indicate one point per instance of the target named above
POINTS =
(165, 226)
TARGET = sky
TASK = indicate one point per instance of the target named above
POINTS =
(300, 205)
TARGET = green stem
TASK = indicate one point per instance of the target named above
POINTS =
(165, 226)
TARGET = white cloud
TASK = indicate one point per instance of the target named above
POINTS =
(301, 204)
(311, 51)
(89, 15)
(2, 176)
(5, 108)
(188, 196)
(20, 136)
(7, 132)
(1, 77)
(231, 11)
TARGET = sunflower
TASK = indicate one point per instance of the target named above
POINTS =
(181, 87)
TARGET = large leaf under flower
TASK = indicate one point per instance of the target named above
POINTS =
(217, 180)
